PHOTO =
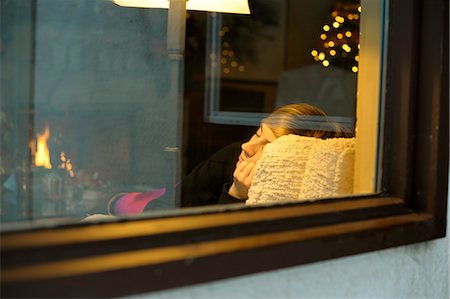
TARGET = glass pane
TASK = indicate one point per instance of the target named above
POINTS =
(109, 110)
(88, 108)
(285, 53)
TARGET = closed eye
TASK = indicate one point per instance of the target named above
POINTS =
(258, 133)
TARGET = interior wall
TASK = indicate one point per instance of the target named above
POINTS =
(305, 19)
(413, 271)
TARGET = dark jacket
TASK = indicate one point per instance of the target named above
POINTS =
(209, 182)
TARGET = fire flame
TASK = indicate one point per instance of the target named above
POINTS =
(42, 156)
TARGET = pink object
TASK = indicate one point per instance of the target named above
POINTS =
(134, 202)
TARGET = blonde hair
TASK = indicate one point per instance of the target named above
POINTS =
(305, 120)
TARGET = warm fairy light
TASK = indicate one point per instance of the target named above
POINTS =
(359, 47)
(346, 48)
(223, 31)
(42, 155)
(229, 61)
(339, 19)
(339, 39)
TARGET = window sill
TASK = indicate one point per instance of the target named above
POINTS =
(176, 251)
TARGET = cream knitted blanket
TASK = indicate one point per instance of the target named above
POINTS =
(303, 168)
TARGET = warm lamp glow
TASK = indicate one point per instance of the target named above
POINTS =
(228, 6)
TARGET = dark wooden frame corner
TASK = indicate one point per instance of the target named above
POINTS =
(133, 256)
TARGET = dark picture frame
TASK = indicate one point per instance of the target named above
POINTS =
(245, 97)
(130, 256)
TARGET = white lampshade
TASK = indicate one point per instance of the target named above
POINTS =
(226, 6)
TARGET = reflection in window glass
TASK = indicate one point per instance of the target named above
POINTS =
(285, 52)
(87, 111)
(95, 118)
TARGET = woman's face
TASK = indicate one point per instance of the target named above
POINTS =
(252, 149)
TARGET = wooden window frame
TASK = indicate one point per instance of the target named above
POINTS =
(131, 256)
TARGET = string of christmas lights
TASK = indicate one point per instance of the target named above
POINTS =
(339, 41)
(228, 59)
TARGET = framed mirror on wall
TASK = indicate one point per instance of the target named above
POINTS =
(401, 173)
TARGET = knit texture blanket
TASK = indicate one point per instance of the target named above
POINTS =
(303, 168)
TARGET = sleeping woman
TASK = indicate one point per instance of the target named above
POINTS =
(227, 175)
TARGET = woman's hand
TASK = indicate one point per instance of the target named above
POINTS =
(242, 179)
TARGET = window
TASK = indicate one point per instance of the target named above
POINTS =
(179, 249)
(103, 116)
